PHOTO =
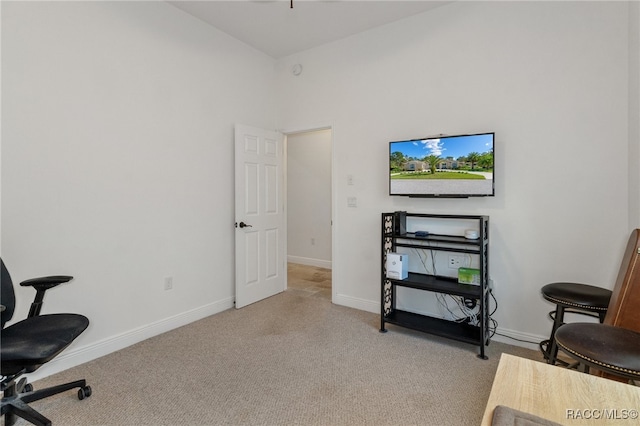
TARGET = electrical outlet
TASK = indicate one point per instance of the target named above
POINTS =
(168, 283)
(456, 262)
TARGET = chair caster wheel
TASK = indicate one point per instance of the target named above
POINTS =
(27, 388)
(84, 392)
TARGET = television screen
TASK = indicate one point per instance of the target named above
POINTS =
(444, 166)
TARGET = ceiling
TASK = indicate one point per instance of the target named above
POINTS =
(276, 29)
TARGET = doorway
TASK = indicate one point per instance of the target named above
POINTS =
(309, 212)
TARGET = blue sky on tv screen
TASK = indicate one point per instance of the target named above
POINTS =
(454, 146)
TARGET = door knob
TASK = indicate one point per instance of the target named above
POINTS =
(244, 225)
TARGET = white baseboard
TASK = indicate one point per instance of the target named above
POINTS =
(357, 303)
(510, 337)
(73, 357)
(309, 261)
(517, 338)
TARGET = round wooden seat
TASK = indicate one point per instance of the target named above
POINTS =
(607, 348)
(583, 299)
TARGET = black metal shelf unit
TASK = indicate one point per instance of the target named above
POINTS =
(462, 331)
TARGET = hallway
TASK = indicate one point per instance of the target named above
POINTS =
(312, 280)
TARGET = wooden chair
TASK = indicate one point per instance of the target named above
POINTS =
(613, 347)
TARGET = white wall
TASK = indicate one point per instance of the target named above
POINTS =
(309, 198)
(117, 160)
(550, 78)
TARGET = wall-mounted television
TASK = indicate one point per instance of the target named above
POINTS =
(457, 166)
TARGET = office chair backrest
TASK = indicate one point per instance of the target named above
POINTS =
(7, 296)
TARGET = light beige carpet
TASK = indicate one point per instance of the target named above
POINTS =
(292, 359)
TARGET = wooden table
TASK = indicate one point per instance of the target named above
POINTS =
(564, 396)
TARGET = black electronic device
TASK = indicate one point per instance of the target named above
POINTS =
(458, 166)
(400, 223)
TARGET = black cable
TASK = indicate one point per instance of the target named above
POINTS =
(495, 301)
(519, 340)
(493, 330)
(495, 323)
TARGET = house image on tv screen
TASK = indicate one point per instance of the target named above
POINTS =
(456, 166)
(414, 166)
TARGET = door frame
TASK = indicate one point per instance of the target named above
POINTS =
(307, 129)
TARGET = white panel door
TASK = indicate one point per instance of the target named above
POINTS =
(259, 205)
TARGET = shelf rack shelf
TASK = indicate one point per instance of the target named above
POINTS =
(463, 331)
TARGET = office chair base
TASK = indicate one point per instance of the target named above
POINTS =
(16, 405)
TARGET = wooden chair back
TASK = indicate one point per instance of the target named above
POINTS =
(624, 306)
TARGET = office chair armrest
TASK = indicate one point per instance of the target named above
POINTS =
(41, 285)
(45, 283)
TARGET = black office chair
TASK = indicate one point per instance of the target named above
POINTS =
(31, 343)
